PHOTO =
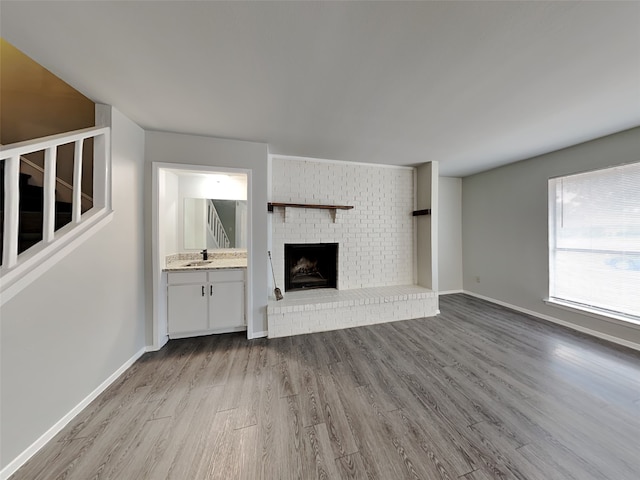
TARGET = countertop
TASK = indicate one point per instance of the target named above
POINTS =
(218, 259)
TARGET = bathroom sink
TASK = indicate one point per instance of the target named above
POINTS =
(201, 263)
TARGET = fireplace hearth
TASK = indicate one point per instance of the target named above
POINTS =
(310, 265)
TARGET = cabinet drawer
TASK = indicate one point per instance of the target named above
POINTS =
(180, 278)
(227, 275)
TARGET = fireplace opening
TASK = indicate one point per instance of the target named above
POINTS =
(310, 265)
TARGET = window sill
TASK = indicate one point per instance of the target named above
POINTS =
(594, 313)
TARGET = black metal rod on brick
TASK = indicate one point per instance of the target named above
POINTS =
(426, 211)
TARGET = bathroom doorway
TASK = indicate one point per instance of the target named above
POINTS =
(197, 207)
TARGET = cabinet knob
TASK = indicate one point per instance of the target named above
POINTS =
(211, 290)
(203, 290)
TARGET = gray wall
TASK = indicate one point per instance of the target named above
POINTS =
(449, 234)
(504, 225)
(73, 327)
(198, 150)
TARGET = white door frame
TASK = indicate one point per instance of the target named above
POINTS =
(159, 303)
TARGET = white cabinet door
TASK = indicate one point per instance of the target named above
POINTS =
(226, 305)
(187, 305)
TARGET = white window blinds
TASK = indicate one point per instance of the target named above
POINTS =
(594, 240)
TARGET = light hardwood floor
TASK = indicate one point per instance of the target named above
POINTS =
(479, 392)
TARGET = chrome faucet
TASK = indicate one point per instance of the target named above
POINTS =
(205, 255)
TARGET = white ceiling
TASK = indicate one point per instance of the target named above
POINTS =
(472, 85)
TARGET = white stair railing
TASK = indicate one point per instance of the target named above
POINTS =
(10, 155)
(215, 227)
(64, 190)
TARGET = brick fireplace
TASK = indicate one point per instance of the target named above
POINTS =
(375, 238)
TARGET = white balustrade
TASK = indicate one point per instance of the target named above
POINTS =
(11, 154)
(216, 229)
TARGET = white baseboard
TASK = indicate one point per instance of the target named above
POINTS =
(258, 335)
(564, 323)
(449, 292)
(21, 459)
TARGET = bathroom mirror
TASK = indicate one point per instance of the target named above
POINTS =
(214, 224)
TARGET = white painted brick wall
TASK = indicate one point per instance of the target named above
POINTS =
(314, 311)
(375, 237)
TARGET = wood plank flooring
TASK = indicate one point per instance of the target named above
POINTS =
(479, 392)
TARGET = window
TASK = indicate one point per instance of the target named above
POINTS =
(594, 241)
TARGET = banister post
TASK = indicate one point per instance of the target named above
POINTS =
(49, 201)
(11, 211)
(77, 182)
(102, 160)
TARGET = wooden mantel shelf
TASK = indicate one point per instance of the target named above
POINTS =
(270, 206)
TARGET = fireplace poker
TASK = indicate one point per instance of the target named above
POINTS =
(276, 291)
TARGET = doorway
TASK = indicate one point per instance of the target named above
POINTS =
(197, 207)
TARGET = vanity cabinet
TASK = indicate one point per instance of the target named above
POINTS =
(205, 302)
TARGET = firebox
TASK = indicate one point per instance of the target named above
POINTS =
(310, 265)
